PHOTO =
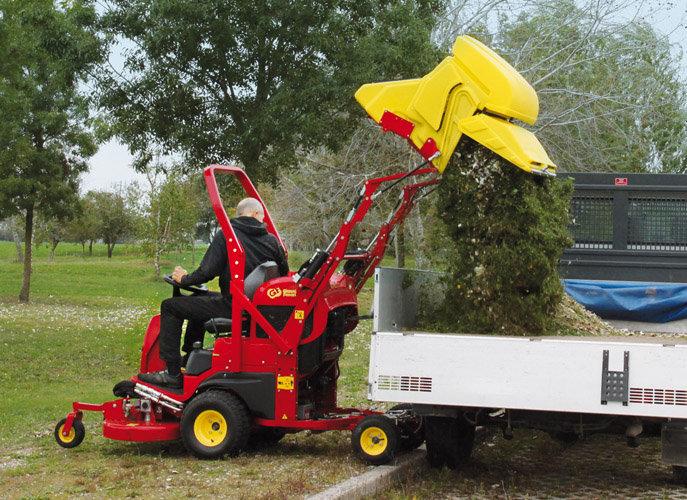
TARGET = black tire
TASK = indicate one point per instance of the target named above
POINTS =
(449, 441)
(412, 431)
(375, 439)
(680, 474)
(264, 437)
(75, 436)
(214, 424)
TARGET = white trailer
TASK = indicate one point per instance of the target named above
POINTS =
(568, 386)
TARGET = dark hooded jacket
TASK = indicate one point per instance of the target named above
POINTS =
(258, 245)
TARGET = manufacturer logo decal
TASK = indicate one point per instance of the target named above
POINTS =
(299, 314)
(275, 293)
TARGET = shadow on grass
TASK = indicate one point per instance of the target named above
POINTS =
(297, 446)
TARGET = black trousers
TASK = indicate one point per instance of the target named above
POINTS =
(197, 309)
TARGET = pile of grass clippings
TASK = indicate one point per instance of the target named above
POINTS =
(504, 232)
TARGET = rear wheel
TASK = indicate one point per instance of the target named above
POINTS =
(214, 424)
(375, 439)
(75, 435)
(449, 441)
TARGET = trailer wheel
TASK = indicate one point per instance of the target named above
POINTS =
(375, 439)
(215, 423)
(411, 430)
(75, 436)
(449, 441)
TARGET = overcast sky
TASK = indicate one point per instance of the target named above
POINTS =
(112, 164)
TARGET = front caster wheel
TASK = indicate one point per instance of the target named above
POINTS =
(215, 423)
(375, 439)
(73, 437)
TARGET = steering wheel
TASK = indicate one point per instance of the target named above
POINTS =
(195, 289)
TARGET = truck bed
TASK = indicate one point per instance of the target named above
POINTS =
(624, 375)
(642, 376)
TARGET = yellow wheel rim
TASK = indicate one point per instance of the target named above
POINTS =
(210, 428)
(69, 437)
(373, 441)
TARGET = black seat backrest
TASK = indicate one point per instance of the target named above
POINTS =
(264, 272)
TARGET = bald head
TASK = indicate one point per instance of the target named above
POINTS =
(250, 207)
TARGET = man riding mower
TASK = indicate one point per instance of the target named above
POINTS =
(273, 368)
(260, 246)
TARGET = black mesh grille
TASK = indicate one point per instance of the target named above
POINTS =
(657, 224)
(277, 317)
(592, 222)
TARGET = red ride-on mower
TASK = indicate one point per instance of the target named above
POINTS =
(273, 368)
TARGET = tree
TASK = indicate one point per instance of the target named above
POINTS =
(46, 51)
(116, 219)
(505, 232)
(83, 228)
(171, 216)
(51, 231)
(313, 198)
(254, 82)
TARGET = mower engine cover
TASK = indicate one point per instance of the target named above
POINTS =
(473, 92)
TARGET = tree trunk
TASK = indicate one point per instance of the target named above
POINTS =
(28, 240)
(17, 244)
(53, 246)
(156, 263)
(400, 246)
(158, 243)
(110, 248)
(83, 248)
(90, 248)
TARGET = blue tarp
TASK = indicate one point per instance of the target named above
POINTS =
(629, 300)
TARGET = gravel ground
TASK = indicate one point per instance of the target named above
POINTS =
(533, 465)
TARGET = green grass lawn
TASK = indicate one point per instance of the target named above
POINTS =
(80, 334)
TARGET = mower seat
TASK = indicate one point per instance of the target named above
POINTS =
(264, 272)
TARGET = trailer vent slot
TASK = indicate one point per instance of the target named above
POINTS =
(649, 396)
(404, 383)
